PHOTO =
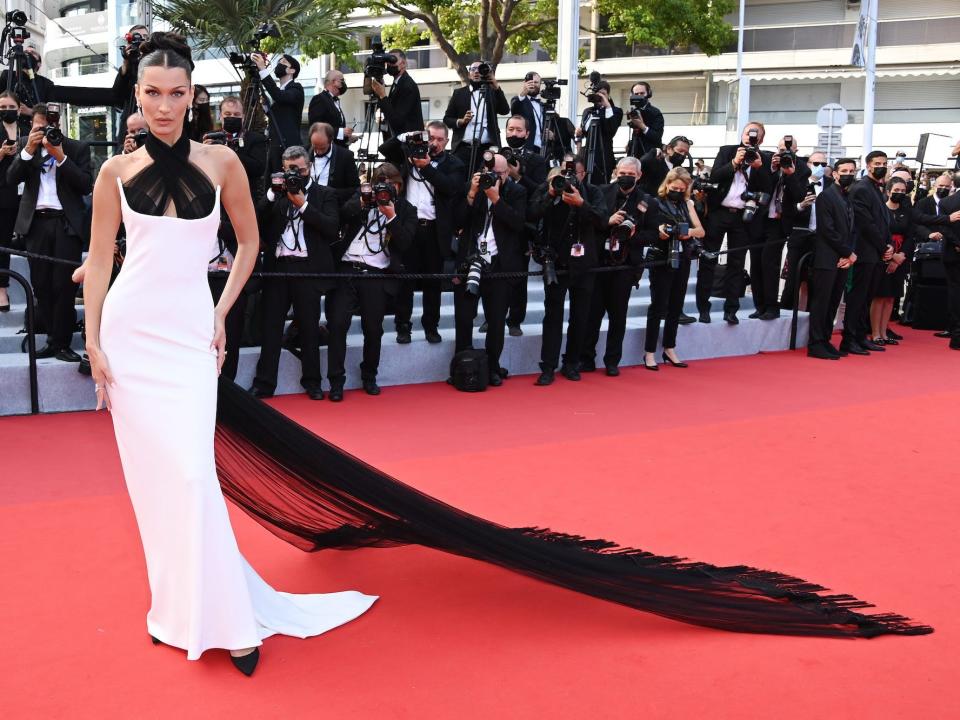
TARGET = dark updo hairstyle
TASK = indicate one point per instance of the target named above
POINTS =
(166, 50)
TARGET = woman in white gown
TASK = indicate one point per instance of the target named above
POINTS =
(156, 344)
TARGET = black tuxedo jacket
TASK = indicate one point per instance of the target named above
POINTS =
(287, 109)
(253, 157)
(74, 180)
(608, 128)
(507, 219)
(759, 180)
(951, 231)
(447, 179)
(343, 176)
(590, 226)
(401, 106)
(653, 168)
(836, 233)
(324, 109)
(648, 222)
(460, 103)
(652, 139)
(319, 223)
(400, 233)
(872, 220)
(533, 171)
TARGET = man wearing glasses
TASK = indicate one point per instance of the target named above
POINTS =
(472, 114)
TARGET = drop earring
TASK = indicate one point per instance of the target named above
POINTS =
(190, 115)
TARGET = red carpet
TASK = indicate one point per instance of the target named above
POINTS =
(843, 473)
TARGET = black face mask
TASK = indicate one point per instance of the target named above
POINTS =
(516, 142)
(879, 173)
(897, 197)
(203, 103)
(677, 159)
(342, 87)
(9, 116)
(393, 70)
(846, 181)
(232, 125)
(910, 186)
(280, 71)
(676, 196)
(626, 183)
(943, 192)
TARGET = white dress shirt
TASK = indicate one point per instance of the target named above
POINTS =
(420, 194)
(47, 198)
(537, 109)
(292, 242)
(320, 171)
(479, 108)
(368, 245)
(737, 188)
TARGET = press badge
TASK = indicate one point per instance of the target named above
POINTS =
(612, 245)
(576, 250)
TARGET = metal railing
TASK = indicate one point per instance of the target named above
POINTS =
(29, 325)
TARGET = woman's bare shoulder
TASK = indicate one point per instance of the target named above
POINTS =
(123, 166)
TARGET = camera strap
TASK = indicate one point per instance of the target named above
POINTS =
(375, 224)
(296, 227)
(417, 177)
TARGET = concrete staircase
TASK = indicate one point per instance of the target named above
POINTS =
(62, 388)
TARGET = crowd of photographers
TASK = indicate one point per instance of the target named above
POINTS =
(457, 196)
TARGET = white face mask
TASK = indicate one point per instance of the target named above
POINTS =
(818, 172)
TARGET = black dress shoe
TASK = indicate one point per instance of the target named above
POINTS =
(84, 367)
(546, 377)
(820, 352)
(47, 351)
(247, 663)
(404, 337)
(483, 328)
(514, 331)
(831, 349)
(495, 379)
(731, 318)
(613, 371)
(67, 355)
(260, 392)
(872, 346)
(667, 360)
(315, 393)
(154, 640)
(686, 319)
(755, 315)
(587, 366)
(942, 334)
(570, 372)
(336, 393)
(370, 387)
(704, 316)
(893, 336)
(433, 336)
(852, 348)
(770, 315)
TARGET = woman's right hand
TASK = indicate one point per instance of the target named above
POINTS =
(102, 377)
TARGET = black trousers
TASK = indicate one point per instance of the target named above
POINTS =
(863, 288)
(423, 257)
(8, 218)
(611, 297)
(277, 296)
(55, 291)
(495, 293)
(371, 297)
(722, 221)
(517, 309)
(826, 289)
(581, 293)
(668, 287)
(233, 323)
(465, 149)
(953, 299)
(766, 288)
(800, 242)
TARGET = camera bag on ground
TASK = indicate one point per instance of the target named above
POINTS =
(470, 371)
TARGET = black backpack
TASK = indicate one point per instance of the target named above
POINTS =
(470, 371)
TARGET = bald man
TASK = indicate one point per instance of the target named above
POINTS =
(325, 107)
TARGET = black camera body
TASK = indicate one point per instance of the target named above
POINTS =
(487, 179)
(53, 135)
(416, 146)
(132, 48)
(140, 137)
(754, 201)
(593, 89)
(750, 155)
(701, 185)
(567, 179)
(381, 193)
(787, 158)
(217, 137)
(263, 31)
(376, 65)
(289, 181)
(638, 103)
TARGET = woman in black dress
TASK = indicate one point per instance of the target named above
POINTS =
(202, 121)
(891, 284)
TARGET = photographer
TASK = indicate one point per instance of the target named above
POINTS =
(645, 121)
(656, 163)
(52, 217)
(325, 108)
(136, 133)
(574, 216)
(493, 233)
(605, 117)
(834, 255)
(286, 108)
(32, 87)
(331, 164)
(530, 170)
(742, 176)
(401, 107)
(472, 115)
(816, 177)
(126, 79)
(633, 224)
(872, 222)
(298, 221)
(378, 228)
(434, 187)
(249, 145)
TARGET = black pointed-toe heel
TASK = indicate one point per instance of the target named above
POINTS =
(155, 641)
(674, 364)
(246, 663)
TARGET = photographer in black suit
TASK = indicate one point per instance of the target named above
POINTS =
(249, 145)
(816, 177)
(331, 164)
(528, 105)
(325, 108)
(286, 107)
(872, 219)
(56, 174)
(490, 241)
(742, 173)
(645, 121)
(530, 170)
(629, 207)
(834, 254)
(607, 118)
(574, 216)
(656, 163)
(378, 228)
(434, 187)
(472, 114)
(298, 222)
(401, 106)
(32, 87)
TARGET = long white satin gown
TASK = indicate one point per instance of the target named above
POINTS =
(156, 330)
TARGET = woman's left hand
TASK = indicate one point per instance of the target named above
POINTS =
(219, 342)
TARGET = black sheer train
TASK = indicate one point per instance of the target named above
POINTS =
(315, 496)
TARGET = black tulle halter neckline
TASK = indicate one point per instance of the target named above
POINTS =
(171, 177)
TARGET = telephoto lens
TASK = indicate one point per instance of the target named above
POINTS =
(473, 277)
(624, 230)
